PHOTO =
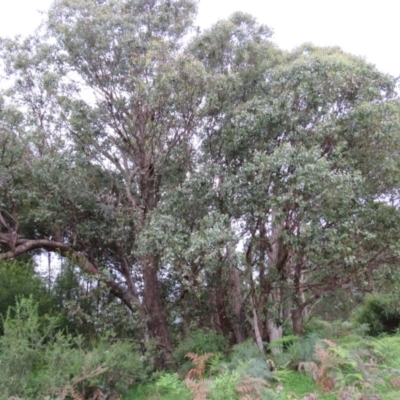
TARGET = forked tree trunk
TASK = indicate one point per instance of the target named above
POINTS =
(256, 327)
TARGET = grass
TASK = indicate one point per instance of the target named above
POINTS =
(299, 384)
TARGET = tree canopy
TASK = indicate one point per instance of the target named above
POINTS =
(202, 178)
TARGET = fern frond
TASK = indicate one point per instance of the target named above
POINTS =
(200, 363)
(395, 382)
(311, 369)
(348, 393)
(250, 388)
(194, 372)
(199, 389)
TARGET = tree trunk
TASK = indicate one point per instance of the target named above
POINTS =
(222, 319)
(237, 306)
(256, 327)
(277, 260)
(274, 332)
(156, 319)
(149, 184)
(297, 321)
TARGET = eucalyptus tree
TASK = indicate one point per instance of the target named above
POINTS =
(307, 147)
(212, 176)
(237, 53)
(127, 120)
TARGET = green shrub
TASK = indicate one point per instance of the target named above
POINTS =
(247, 360)
(386, 351)
(302, 350)
(269, 394)
(19, 279)
(22, 349)
(318, 327)
(170, 384)
(224, 386)
(381, 312)
(199, 342)
(35, 363)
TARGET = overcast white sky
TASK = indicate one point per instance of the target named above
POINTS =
(368, 28)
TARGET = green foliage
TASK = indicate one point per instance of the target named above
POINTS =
(381, 312)
(35, 362)
(318, 327)
(246, 359)
(19, 279)
(269, 394)
(244, 351)
(298, 349)
(295, 382)
(224, 386)
(187, 144)
(171, 384)
(88, 310)
(200, 342)
(370, 366)
(386, 350)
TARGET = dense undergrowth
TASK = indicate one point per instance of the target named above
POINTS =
(39, 363)
(346, 367)
(332, 361)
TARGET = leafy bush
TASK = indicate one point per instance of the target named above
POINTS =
(36, 363)
(269, 394)
(170, 384)
(318, 327)
(381, 312)
(386, 351)
(199, 342)
(247, 360)
(224, 386)
(298, 349)
(17, 279)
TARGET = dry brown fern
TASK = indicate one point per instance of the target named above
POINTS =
(199, 389)
(320, 373)
(395, 382)
(195, 377)
(311, 369)
(200, 364)
(348, 393)
(326, 358)
(310, 396)
(250, 388)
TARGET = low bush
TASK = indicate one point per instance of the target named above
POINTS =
(198, 342)
(323, 329)
(36, 363)
(169, 384)
(224, 386)
(297, 349)
(246, 359)
(381, 312)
